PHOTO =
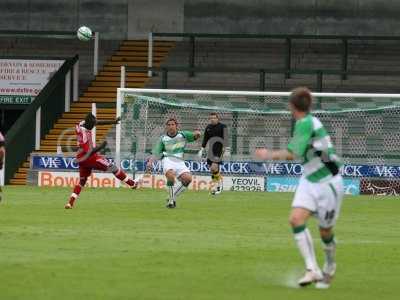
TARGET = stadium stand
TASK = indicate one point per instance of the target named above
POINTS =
(233, 53)
(102, 90)
(325, 55)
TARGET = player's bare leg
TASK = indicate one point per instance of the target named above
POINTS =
(121, 175)
(75, 194)
(302, 236)
(216, 178)
(170, 175)
(329, 269)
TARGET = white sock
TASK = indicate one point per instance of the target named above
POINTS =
(306, 247)
(219, 184)
(171, 193)
(180, 188)
(330, 252)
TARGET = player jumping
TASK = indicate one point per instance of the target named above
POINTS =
(216, 135)
(89, 159)
(2, 151)
(170, 149)
(320, 189)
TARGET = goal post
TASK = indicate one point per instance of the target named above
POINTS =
(364, 129)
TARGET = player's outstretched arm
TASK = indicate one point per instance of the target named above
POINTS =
(267, 154)
(297, 146)
(107, 122)
(191, 136)
(196, 135)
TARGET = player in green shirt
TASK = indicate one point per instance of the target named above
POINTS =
(170, 149)
(320, 189)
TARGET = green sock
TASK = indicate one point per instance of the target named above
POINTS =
(328, 240)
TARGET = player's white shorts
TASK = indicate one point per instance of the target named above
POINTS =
(176, 164)
(323, 199)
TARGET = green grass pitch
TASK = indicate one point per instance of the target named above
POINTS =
(123, 244)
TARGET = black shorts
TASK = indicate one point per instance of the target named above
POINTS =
(209, 162)
(215, 156)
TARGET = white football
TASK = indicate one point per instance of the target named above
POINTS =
(84, 33)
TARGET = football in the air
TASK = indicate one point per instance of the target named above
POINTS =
(84, 33)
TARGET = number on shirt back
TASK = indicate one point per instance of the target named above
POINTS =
(330, 215)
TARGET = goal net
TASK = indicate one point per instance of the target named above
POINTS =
(364, 129)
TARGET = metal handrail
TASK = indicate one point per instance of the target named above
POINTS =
(319, 73)
(266, 70)
(288, 38)
(278, 36)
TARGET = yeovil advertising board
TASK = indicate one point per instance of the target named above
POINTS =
(65, 179)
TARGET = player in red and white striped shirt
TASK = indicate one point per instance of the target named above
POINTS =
(89, 159)
(2, 151)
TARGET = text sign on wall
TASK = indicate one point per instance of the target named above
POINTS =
(21, 80)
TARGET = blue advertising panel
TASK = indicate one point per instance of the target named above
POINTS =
(289, 184)
(232, 167)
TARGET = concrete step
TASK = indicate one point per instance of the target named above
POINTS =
(99, 98)
(112, 89)
(84, 99)
(23, 170)
(116, 84)
(145, 43)
(20, 175)
(89, 95)
(118, 73)
(117, 69)
(96, 89)
(81, 105)
(140, 54)
(117, 79)
(85, 110)
(48, 148)
(19, 181)
(144, 49)
(135, 59)
(129, 64)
